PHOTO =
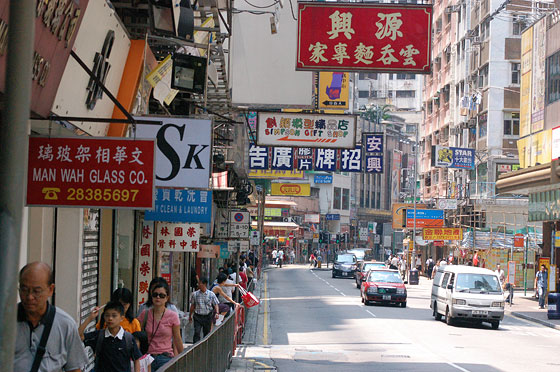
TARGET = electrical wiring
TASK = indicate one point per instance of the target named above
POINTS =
(254, 12)
(292, 10)
(262, 7)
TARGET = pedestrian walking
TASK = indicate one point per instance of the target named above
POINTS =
(435, 269)
(501, 274)
(114, 347)
(150, 301)
(47, 338)
(419, 264)
(204, 308)
(429, 267)
(393, 262)
(162, 327)
(129, 322)
(312, 260)
(280, 257)
(275, 257)
(541, 282)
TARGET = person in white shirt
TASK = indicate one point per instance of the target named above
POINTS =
(280, 258)
(501, 274)
(394, 263)
(274, 256)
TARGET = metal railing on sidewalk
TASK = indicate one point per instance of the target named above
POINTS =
(214, 352)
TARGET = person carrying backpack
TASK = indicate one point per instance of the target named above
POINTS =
(114, 347)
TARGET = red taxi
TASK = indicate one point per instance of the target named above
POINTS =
(363, 269)
(384, 286)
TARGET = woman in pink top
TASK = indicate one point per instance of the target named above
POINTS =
(162, 327)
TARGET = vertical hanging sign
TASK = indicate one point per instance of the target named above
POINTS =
(145, 260)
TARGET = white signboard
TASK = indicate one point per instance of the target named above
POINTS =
(363, 233)
(511, 271)
(234, 245)
(552, 279)
(145, 260)
(447, 204)
(312, 218)
(255, 237)
(555, 143)
(387, 240)
(306, 130)
(183, 150)
(239, 223)
(178, 237)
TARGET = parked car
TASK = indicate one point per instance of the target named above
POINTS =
(361, 254)
(344, 265)
(467, 293)
(383, 286)
(364, 267)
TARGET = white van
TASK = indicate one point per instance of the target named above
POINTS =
(469, 293)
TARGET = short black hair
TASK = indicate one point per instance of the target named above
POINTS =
(221, 278)
(204, 281)
(114, 305)
(142, 338)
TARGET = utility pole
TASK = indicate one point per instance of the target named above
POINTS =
(13, 153)
(414, 196)
(260, 226)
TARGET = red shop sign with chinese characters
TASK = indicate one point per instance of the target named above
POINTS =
(91, 172)
(364, 37)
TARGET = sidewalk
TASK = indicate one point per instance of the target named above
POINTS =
(527, 307)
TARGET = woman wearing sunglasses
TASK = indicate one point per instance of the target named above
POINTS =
(162, 327)
(149, 303)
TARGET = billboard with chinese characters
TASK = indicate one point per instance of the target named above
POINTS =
(364, 37)
(183, 150)
(177, 237)
(452, 157)
(276, 174)
(373, 152)
(90, 172)
(181, 206)
(285, 159)
(145, 259)
(306, 130)
(290, 189)
(334, 92)
(444, 233)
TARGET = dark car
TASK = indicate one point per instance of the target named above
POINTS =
(344, 266)
(383, 286)
(364, 267)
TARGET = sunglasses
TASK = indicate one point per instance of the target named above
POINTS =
(160, 295)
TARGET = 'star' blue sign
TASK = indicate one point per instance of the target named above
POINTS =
(323, 178)
(181, 206)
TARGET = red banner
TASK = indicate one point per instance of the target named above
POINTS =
(364, 37)
(90, 172)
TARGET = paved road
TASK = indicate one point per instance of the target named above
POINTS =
(319, 324)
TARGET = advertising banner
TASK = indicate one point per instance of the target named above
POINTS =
(306, 130)
(90, 172)
(178, 237)
(334, 92)
(290, 189)
(56, 26)
(183, 150)
(145, 259)
(333, 217)
(424, 218)
(181, 206)
(276, 174)
(328, 178)
(312, 218)
(445, 233)
(399, 221)
(453, 157)
(555, 143)
(538, 76)
(526, 84)
(364, 37)
(209, 251)
(396, 176)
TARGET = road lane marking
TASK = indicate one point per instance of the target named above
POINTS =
(370, 313)
(458, 367)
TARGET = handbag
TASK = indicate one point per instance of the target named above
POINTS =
(248, 298)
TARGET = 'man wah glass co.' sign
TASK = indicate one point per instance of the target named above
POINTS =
(364, 37)
(306, 130)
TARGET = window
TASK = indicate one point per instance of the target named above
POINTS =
(518, 25)
(390, 94)
(445, 279)
(371, 75)
(511, 124)
(336, 198)
(483, 77)
(373, 94)
(346, 199)
(515, 73)
(390, 76)
(363, 94)
(406, 76)
(406, 94)
(553, 78)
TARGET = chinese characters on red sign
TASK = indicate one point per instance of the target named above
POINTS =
(145, 259)
(364, 37)
(93, 172)
(178, 237)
